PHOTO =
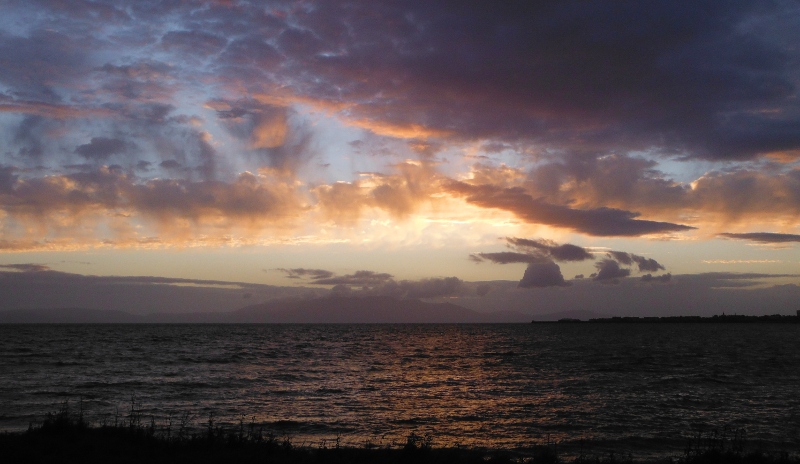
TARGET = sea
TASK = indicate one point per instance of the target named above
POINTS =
(642, 390)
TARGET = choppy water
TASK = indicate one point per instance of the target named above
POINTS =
(638, 387)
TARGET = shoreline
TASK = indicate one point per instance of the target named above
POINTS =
(66, 437)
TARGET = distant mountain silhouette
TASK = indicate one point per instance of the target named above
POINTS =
(332, 309)
(372, 309)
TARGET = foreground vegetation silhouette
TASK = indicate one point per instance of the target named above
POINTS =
(64, 437)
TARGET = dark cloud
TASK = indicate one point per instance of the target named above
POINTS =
(609, 270)
(597, 221)
(170, 164)
(297, 273)
(764, 237)
(508, 257)
(359, 278)
(34, 63)
(29, 267)
(546, 274)
(645, 264)
(193, 42)
(565, 252)
(610, 74)
(363, 283)
(663, 278)
(101, 148)
(7, 179)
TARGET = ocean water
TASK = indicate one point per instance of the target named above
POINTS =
(647, 389)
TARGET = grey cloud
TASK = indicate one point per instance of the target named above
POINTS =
(565, 252)
(252, 51)
(29, 135)
(8, 178)
(596, 221)
(609, 270)
(764, 237)
(170, 164)
(297, 273)
(374, 283)
(664, 278)
(546, 274)
(359, 278)
(32, 64)
(644, 264)
(638, 75)
(193, 41)
(507, 257)
(101, 148)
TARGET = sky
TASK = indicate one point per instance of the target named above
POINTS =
(359, 144)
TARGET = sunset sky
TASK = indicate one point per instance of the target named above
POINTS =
(364, 142)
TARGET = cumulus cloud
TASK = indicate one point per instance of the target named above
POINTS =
(541, 255)
(543, 275)
(609, 270)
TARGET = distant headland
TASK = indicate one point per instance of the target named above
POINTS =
(723, 318)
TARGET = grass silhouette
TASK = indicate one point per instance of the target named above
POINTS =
(65, 437)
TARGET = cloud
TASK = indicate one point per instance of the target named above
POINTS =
(299, 273)
(359, 278)
(597, 221)
(126, 206)
(508, 257)
(763, 237)
(663, 278)
(29, 267)
(541, 254)
(193, 42)
(101, 148)
(543, 275)
(645, 264)
(609, 270)
(399, 193)
(362, 283)
(565, 252)
(230, 89)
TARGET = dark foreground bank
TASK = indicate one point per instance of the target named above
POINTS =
(63, 438)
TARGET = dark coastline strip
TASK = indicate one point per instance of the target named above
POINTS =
(725, 319)
(65, 438)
